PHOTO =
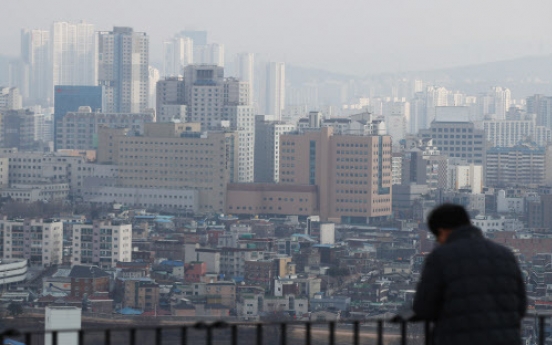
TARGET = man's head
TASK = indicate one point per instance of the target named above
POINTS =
(445, 218)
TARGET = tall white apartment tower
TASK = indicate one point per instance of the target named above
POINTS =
(73, 54)
(35, 53)
(211, 54)
(245, 70)
(178, 53)
(123, 61)
(275, 88)
(216, 102)
(502, 100)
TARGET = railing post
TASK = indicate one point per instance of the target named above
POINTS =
(28, 338)
(234, 335)
(332, 333)
(283, 338)
(54, 338)
(107, 337)
(133, 336)
(427, 333)
(209, 340)
(308, 333)
(403, 332)
(380, 332)
(158, 336)
(259, 334)
(356, 333)
(183, 335)
(541, 330)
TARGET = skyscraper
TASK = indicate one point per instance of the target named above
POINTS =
(178, 53)
(73, 54)
(211, 54)
(275, 88)
(245, 70)
(215, 101)
(123, 61)
(35, 53)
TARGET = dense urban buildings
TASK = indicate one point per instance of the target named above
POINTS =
(169, 179)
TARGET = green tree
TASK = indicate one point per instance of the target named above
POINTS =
(15, 309)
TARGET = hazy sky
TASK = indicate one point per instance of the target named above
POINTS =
(360, 36)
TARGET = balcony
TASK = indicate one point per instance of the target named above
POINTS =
(265, 333)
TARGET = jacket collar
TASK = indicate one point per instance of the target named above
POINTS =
(464, 232)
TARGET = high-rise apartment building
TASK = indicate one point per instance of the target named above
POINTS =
(519, 165)
(170, 101)
(73, 54)
(508, 133)
(10, 99)
(102, 243)
(178, 156)
(123, 61)
(541, 106)
(20, 129)
(178, 53)
(245, 71)
(38, 240)
(267, 147)
(210, 54)
(35, 53)
(204, 96)
(275, 91)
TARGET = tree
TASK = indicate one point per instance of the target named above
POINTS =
(15, 309)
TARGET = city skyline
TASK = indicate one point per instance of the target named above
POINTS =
(409, 37)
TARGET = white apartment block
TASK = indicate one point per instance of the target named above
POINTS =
(249, 306)
(232, 260)
(73, 54)
(489, 224)
(469, 177)
(509, 133)
(10, 98)
(38, 240)
(178, 53)
(275, 88)
(102, 243)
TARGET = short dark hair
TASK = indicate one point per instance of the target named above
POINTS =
(447, 216)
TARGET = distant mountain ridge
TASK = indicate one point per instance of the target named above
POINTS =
(525, 76)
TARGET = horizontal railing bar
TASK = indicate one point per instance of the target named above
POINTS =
(224, 324)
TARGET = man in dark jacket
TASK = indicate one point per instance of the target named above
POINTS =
(471, 288)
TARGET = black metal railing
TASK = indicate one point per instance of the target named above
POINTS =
(264, 333)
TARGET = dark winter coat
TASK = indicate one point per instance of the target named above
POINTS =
(473, 291)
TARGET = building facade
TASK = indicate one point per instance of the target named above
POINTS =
(123, 70)
(518, 165)
(102, 243)
(36, 240)
(177, 156)
(351, 177)
(79, 130)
